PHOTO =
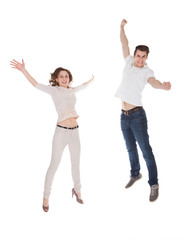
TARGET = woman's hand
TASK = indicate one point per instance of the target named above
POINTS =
(21, 67)
(92, 78)
(17, 65)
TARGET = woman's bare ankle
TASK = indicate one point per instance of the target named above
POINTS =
(45, 202)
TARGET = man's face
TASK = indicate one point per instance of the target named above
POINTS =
(140, 58)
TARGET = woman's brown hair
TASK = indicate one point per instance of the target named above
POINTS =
(55, 74)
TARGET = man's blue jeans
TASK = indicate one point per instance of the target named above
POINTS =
(134, 128)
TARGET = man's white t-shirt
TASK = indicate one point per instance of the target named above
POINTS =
(133, 82)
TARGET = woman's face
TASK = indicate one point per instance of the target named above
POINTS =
(63, 79)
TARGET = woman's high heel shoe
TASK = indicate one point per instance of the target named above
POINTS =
(77, 198)
(45, 208)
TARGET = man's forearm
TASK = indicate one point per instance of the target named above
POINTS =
(123, 38)
(157, 84)
(124, 42)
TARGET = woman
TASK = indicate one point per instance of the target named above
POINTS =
(66, 132)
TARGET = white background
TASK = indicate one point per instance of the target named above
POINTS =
(83, 36)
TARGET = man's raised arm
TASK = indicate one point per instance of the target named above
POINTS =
(124, 40)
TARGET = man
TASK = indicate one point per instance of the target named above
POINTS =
(133, 117)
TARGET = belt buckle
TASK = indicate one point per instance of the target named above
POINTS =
(126, 113)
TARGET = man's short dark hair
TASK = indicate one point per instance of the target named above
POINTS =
(142, 48)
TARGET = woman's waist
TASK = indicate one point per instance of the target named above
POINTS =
(64, 115)
(69, 122)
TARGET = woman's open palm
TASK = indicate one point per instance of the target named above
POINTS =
(17, 65)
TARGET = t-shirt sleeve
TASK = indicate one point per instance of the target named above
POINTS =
(129, 60)
(45, 88)
(150, 73)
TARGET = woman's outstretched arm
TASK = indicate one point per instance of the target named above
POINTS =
(86, 83)
(21, 67)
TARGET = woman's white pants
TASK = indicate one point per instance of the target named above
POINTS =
(61, 139)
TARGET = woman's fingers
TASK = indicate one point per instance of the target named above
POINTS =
(16, 65)
(15, 61)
